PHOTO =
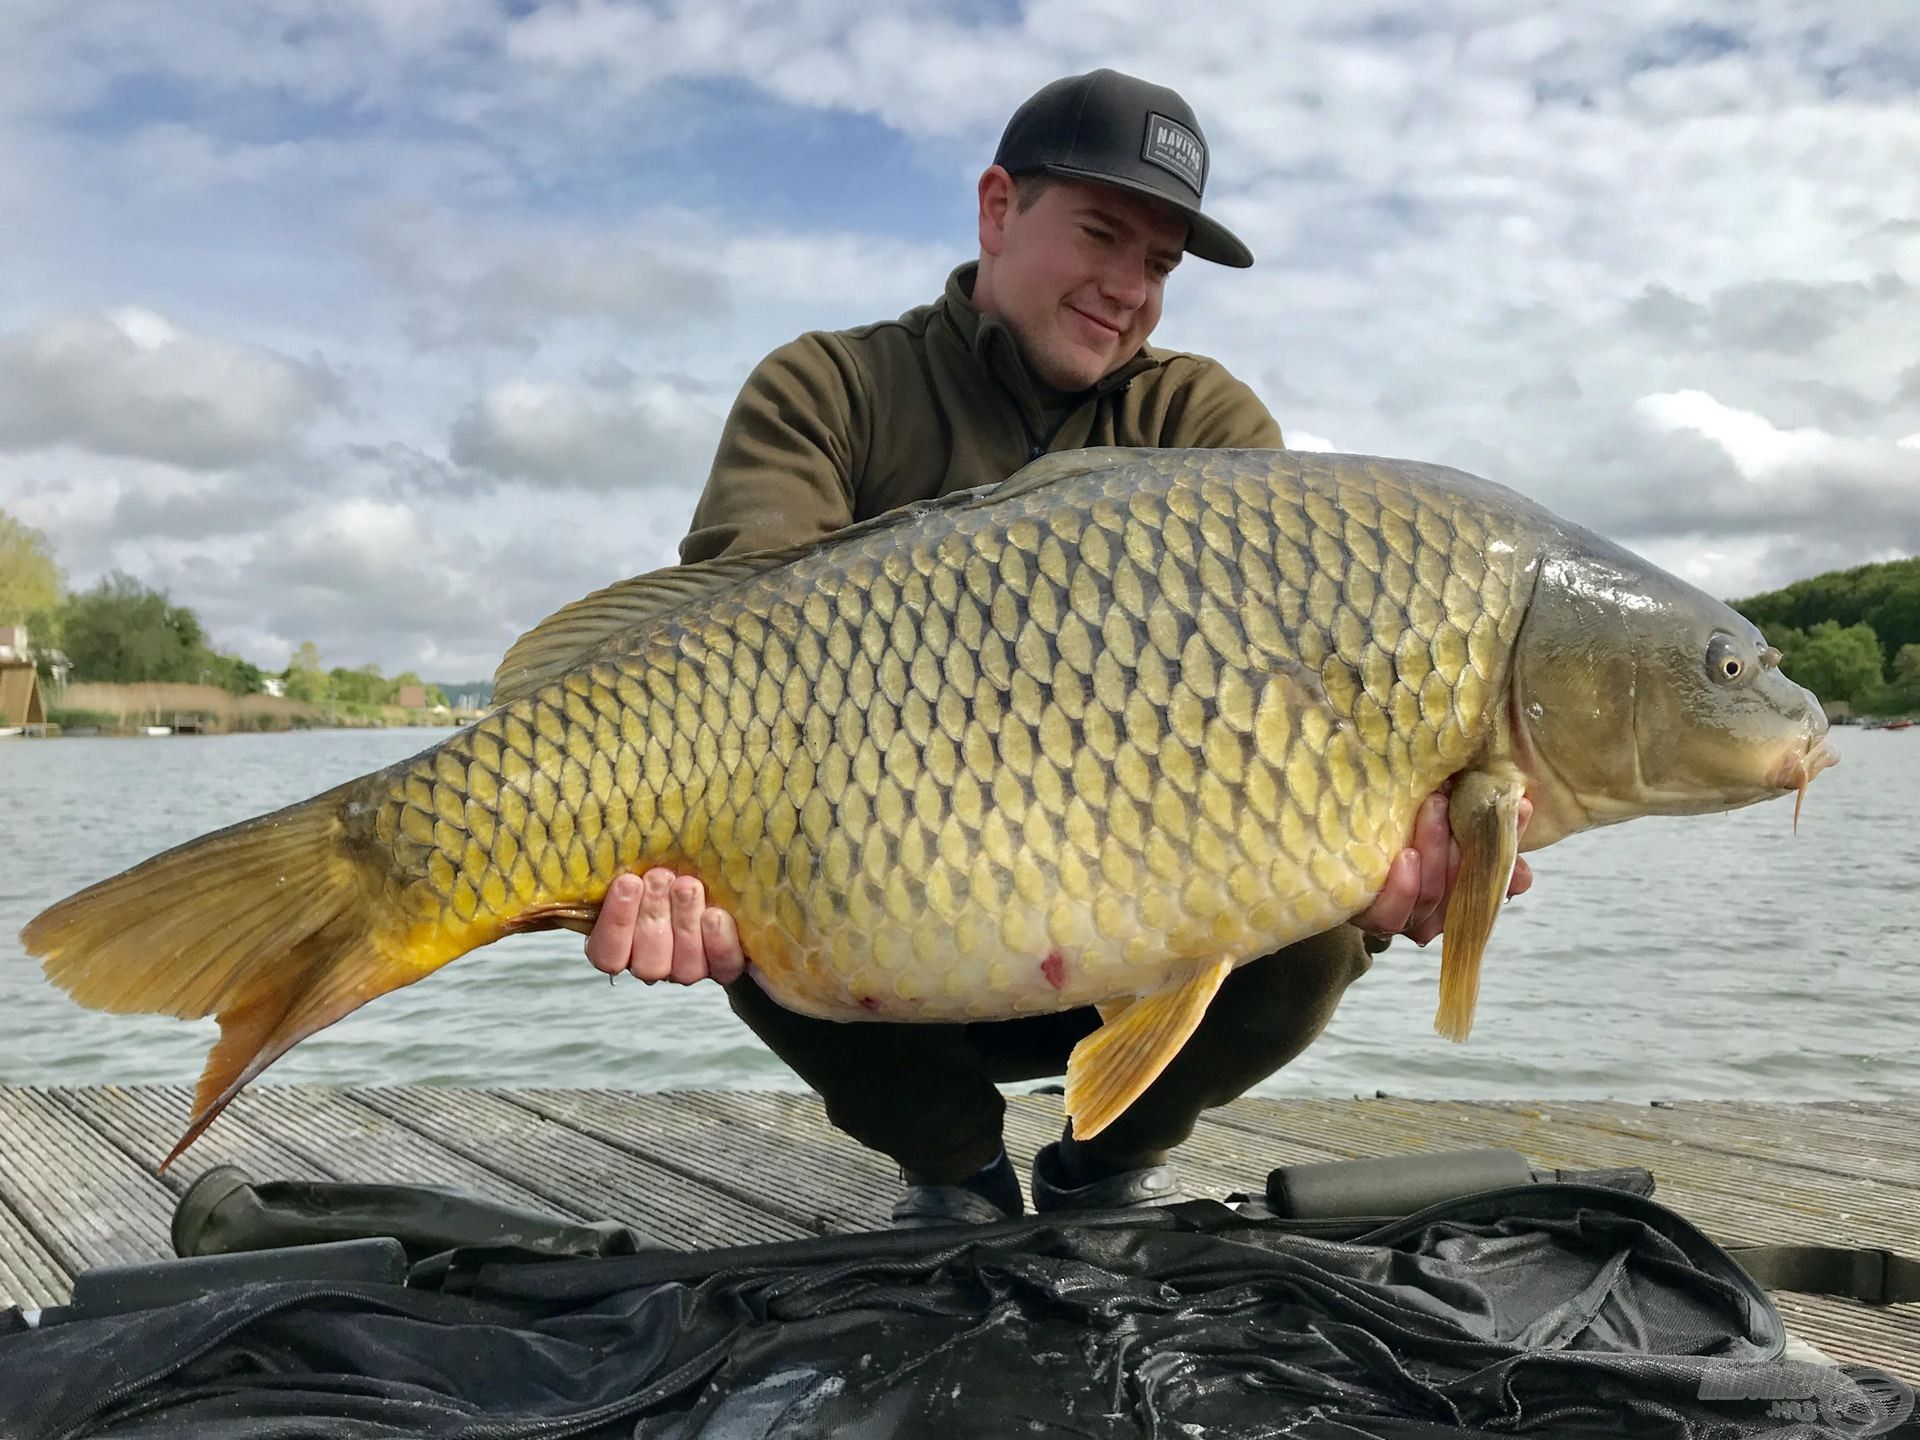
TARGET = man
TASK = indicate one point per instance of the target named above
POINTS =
(1040, 345)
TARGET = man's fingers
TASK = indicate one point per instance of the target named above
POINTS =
(689, 950)
(652, 955)
(612, 938)
(1391, 907)
(725, 960)
(1522, 879)
(1430, 921)
(1431, 838)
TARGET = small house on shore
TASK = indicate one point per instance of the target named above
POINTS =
(21, 703)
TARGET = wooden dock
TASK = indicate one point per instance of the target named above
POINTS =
(78, 1188)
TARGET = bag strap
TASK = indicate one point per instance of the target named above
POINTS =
(1878, 1277)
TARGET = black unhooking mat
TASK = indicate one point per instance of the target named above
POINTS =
(1556, 1310)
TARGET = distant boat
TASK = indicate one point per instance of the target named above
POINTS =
(156, 730)
(7, 731)
(1900, 724)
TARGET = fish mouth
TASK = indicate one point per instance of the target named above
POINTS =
(1795, 771)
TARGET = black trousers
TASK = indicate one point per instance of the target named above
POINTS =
(924, 1094)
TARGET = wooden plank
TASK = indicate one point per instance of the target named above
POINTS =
(145, 1120)
(563, 1165)
(1735, 1197)
(1887, 1336)
(1872, 1209)
(89, 1203)
(809, 1174)
(1893, 1130)
(331, 1129)
(30, 1275)
(1830, 1146)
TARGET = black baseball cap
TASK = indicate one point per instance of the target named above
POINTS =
(1115, 130)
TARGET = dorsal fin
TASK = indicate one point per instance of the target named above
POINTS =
(565, 638)
(562, 640)
(1061, 465)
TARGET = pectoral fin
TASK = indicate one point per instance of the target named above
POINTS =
(1484, 811)
(578, 918)
(1108, 1070)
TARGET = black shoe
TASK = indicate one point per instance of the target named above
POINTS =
(1149, 1186)
(990, 1195)
(194, 1216)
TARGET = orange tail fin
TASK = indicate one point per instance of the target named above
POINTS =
(271, 926)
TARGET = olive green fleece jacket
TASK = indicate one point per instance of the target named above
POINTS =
(843, 425)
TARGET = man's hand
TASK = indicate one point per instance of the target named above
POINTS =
(658, 926)
(1413, 902)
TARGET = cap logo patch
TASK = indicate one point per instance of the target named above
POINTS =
(1173, 147)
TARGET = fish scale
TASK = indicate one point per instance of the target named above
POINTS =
(1161, 713)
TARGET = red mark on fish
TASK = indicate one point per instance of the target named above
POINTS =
(1054, 967)
(867, 1002)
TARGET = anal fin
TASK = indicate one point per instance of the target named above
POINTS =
(1111, 1067)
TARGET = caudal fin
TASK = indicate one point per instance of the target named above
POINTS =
(271, 926)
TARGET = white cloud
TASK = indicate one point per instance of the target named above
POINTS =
(1654, 263)
(130, 382)
(681, 281)
(610, 429)
(1756, 446)
(1809, 463)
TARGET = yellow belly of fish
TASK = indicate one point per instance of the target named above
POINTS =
(975, 962)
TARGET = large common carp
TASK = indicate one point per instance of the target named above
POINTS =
(1096, 735)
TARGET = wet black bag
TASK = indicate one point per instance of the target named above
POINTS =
(1541, 1309)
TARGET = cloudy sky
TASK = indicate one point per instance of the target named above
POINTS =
(395, 324)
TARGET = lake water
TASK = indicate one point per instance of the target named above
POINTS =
(1711, 956)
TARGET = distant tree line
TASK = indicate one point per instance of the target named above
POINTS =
(122, 631)
(309, 680)
(1850, 635)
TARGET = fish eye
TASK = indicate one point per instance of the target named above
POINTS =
(1725, 663)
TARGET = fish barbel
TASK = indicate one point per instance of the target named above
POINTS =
(1095, 735)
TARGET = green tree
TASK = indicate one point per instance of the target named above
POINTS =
(121, 630)
(1903, 690)
(307, 678)
(357, 687)
(234, 675)
(1835, 662)
(30, 581)
(1885, 595)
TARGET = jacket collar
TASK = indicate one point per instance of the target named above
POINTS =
(993, 345)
